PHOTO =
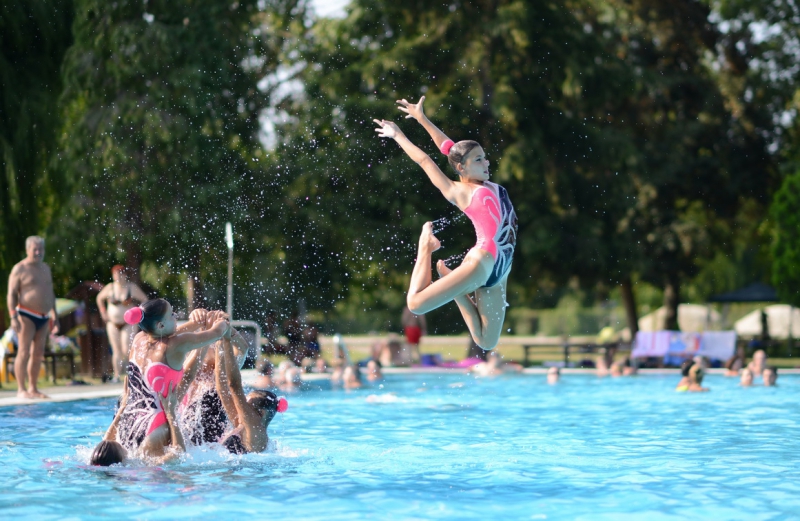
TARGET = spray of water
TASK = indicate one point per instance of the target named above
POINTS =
(443, 223)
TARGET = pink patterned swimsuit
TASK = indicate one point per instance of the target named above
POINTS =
(495, 223)
(143, 413)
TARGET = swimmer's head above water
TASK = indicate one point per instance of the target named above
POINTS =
(266, 403)
(154, 317)
(696, 374)
(108, 453)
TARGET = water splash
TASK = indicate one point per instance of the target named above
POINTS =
(443, 223)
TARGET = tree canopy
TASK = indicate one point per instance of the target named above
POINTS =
(639, 140)
(34, 35)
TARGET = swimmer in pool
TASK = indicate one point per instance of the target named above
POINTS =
(250, 414)
(478, 284)
(695, 380)
(110, 451)
(156, 352)
(203, 418)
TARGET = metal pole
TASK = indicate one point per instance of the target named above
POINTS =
(791, 317)
(229, 242)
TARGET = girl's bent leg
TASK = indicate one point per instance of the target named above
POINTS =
(485, 314)
(491, 305)
(465, 279)
(421, 276)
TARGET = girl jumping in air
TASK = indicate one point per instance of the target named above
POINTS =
(478, 285)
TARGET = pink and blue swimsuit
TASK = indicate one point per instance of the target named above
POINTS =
(495, 223)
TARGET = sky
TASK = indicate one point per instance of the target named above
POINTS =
(330, 8)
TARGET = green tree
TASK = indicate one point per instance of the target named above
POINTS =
(785, 213)
(34, 35)
(526, 80)
(697, 164)
(161, 133)
(757, 69)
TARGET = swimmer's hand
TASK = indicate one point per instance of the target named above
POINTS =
(199, 316)
(221, 325)
(387, 128)
(413, 110)
(214, 315)
(169, 403)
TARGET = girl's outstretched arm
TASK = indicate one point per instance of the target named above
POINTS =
(415, 110)
(190, 367)
(177, 446)
(222, 377)
(442, 182)
(111, 433)
(181, 344)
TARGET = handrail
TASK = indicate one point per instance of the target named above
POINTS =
(251, 324)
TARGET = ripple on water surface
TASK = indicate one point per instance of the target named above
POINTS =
(439, 447)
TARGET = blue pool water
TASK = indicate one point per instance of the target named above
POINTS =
(441, 447)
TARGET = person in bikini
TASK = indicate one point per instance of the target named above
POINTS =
(478, 285)
(156, 351)
(32, 306)
(112, 302)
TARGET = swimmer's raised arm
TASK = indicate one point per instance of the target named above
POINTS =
(188, 327)
(415, 110)
(240, 346)
(190, 367)
(177, 446)
(226, 380)
(183, 343)
(445, 185)
(198, 319)
(111, 433)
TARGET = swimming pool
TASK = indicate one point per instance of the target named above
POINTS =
(441, 446)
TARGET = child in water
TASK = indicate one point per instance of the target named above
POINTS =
(478, 284)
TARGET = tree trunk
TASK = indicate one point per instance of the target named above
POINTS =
(133, 227)
(629, 302)
(133, 261)
(671, 301)
(195, 291)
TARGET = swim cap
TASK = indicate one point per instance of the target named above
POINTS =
(283, 404)
(446, 146)
(134, 315)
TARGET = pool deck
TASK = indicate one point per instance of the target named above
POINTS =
(69, 393)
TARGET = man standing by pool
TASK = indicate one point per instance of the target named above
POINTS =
(31, 304)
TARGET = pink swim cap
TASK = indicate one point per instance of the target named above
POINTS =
(283, 404)
(446, 146)
(134, 315)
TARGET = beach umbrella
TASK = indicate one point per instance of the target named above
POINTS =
(691, 317)
(781, 319)
(65, 306)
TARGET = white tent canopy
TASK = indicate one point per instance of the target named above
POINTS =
(780, 318)
(691, 318)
